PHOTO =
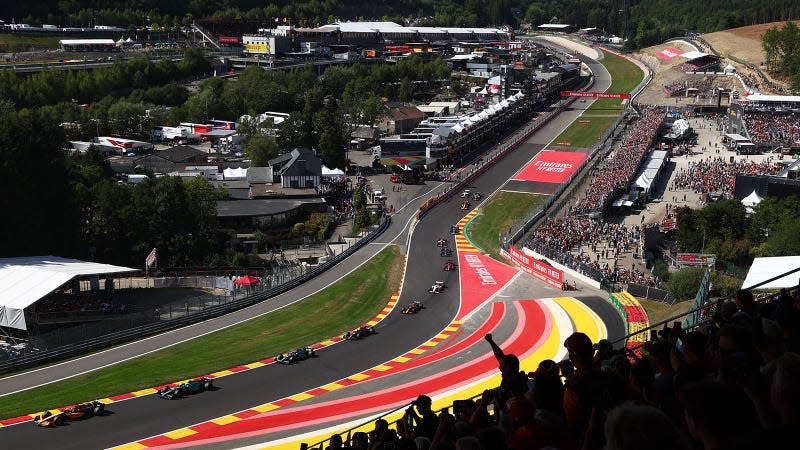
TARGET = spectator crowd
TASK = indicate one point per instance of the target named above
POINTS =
(733, 383)
(771, 128)
(714, 175)
(616, 171)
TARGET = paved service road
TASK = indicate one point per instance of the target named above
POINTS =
(150, 415)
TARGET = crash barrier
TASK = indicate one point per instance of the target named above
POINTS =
(118, 337)
(550, 257)
(518, 138)
(650, 293)
(705, 312)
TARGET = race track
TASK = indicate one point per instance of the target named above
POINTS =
(438, 351)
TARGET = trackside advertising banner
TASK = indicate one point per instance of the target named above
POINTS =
(622, 95)
(540, 270)
(552, 167)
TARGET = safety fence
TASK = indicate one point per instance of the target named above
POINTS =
(17, 362)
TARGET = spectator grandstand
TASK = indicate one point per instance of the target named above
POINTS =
(616, 172)
(772, 128)
(714, 175)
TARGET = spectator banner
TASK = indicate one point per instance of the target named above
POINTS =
(538, 269)
(696, 260)
(669, 53)
(622, 95)
(552, 167)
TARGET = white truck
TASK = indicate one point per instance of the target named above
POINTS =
(159, 134)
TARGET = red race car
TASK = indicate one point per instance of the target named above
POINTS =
(449, 265)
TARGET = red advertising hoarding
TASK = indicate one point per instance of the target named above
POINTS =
(552, 167)
(622, 95)
(669, 53)
(538, 269)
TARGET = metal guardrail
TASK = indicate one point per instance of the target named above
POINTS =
(59, 353)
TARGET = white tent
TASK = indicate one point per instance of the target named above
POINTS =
(729, 69)
(765, 268)
(505, 103)
(25, 280)
(239, 173)
(331, 173)
(752, 200)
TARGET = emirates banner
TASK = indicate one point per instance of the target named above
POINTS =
(623, 96)
(538, 269)
(552, 167)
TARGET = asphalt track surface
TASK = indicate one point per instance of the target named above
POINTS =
(146, 416)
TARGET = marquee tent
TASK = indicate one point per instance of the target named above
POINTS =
(752, 200)
(765, 268)
(238, 173)
(331, 173)
(26, 280)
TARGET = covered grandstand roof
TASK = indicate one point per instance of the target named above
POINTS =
(693, 55)
(773, 98)
(765, 268)
(87, 42)
(25, 280)
(392, 27)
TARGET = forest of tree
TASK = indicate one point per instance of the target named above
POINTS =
(646, 22)
(78, 203)
(782, 51)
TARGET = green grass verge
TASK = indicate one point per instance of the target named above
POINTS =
(625, 76)
(658, 311)
(585, 134)
(502, 211)
(344, 305)
(22, 43)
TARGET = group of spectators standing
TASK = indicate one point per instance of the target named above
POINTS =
(338, 193)
(616, 171)
(771, 128)
(81, 303)
(714, 174)
(582, 242)
(734, 383)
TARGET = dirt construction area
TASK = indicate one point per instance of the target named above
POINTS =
(741, 43)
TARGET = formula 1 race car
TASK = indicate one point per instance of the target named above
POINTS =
(436, 287)
(359, 333)
(454, 229)
(477, 196)
(449, 265)
(85, 410)
(413, 308)
(49, 420)
(465, 205)
(298, 355)
(184, 389)
(441, 243)
(466, 194)
(445, 251)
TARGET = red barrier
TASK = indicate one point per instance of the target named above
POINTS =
(538, 269)
(623, 95)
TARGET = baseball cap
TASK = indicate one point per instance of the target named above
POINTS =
(423, 400)
(579, 343)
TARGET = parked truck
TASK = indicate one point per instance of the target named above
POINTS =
(159, 134)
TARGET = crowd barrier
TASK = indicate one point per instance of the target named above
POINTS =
(63, 352)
